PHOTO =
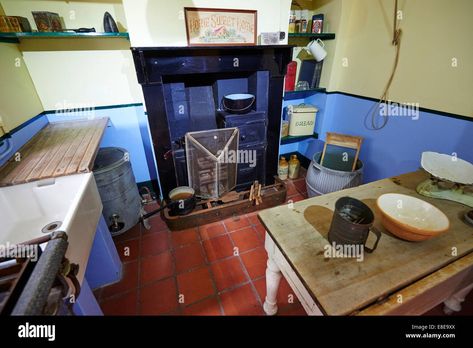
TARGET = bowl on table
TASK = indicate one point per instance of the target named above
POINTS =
(411, 218)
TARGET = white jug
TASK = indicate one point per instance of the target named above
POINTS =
(317, 50)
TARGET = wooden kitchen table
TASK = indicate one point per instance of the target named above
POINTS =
(399, 277)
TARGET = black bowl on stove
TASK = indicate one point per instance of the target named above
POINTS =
(238, 103)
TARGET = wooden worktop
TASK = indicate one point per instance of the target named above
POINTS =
(344, 286)
(61, 148)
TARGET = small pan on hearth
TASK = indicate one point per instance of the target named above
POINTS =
(182, 201)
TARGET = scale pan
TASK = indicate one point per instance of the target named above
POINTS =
(447, 167)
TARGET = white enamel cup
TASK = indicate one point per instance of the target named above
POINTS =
(317, 50)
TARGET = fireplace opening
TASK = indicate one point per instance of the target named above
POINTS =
(195, 103)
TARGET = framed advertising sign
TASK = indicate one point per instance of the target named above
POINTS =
(217, 27)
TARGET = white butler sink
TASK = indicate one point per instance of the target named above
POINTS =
(69, 203)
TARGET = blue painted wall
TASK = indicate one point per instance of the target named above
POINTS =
(397, 148)
(394, 150)
(9, 147)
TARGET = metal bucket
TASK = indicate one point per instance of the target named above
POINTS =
(118, 191)
(321, 180)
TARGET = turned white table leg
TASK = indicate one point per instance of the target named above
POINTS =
(273, 277)
(454, 303)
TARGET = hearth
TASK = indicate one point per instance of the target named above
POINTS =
(183, 89)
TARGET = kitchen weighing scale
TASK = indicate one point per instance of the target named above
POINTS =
(451, 178)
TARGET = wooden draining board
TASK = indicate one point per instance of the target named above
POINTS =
(59, 149)
(344, 286)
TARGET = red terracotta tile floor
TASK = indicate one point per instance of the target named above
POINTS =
(214, 269)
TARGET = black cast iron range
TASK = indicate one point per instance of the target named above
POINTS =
(183, 88)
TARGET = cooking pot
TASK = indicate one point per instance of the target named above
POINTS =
(181, 202)
(238, 103)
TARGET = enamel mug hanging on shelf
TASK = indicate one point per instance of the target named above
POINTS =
(317, 49)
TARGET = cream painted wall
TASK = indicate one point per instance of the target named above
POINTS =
(434, 32)
(79, 72)
(18, 99)
(161, 23)
(75, 73)
(72, 79)
(76, 14)
(102, 72)
(333, 17)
